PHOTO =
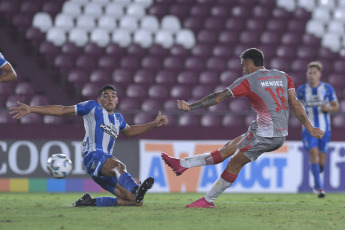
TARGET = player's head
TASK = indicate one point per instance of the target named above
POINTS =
(314, 72)
(107, 97)
(251, 60)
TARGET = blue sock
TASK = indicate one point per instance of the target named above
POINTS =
(315, 169)
(127, 181)
(106, 201)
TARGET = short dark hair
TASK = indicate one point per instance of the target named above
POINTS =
(315, 64)
(255, 55)
(104, 87)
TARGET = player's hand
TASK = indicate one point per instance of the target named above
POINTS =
(317, 133)
(325, 108)
(182, 105)
(20, 111)
(161, 120)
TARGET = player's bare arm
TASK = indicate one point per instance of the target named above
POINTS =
(332, 107)
(54, 110)
(10, 74)
(212, 99)
(301, 115)
(135, 130)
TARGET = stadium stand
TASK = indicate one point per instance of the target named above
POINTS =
(158, 51)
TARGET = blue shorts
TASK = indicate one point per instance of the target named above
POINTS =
(93, 163)
(310, 142)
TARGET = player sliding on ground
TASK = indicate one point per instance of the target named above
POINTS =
(102, 127)
(270, 92)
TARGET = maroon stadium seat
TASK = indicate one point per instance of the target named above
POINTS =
(144, 77)
(187, 78)
(136, 91)
(150, 105)
(122, 76)
(233, 120)
(210, 120)
(188, 120)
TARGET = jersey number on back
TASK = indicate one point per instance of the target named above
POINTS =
(280, 92)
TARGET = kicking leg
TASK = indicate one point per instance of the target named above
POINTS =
(225, 181)
(215, 157)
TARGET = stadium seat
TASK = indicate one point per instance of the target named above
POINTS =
(232, 120)
(100, 37)
(209, 77)
(228, 38)
(210, 120)
(207, 37)
(321, 14)
(335, 27)
(136, 11)
(170, 23)
(107, 22)
(85, 62)
(239, 105)
(130, 63)
(187, 78)
(185, 38)
(338, 121)
(306, 4)
(122, 38)
(71, 49)
(331, 41)
(216, 64)
(228, 77)
(77, 77)
(201, 50)
(24, 89)
(73, 9)
(86, 23)
(200, 91)
(114, 9)
(57, 36)
(214, 24)
(122, 76)
(164, 38)
(39, 100)
(149, 105)
(193, 23)
(180, 92)
(12, 99)
(128, 23)
(339, 14)
(306, 52)
(64, 62)
(285, 52)
(31, 118)
(114, 50)
(188, 120)
(42, 21)
(143, 38)
(136, 91)
(99, 76)
(143, 118)
(93, 10)
(144, 3)
(64, 22)
(151, 63)
(129, 104)
(316, 28)
(179, 51)
(6, 118)
(78, 36)
(89, 91)
(157, 50)
(165, 77)
(143, 77)
(158, 91)
(93, 49)
(52, 120)
(195, 63)
(173, 63)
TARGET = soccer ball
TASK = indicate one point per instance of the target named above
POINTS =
(59, 165)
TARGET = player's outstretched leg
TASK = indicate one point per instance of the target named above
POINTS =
(174, 163)
(201, 203)
(143, 188)
(85, 200)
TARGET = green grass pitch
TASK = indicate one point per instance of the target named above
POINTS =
(167, 211)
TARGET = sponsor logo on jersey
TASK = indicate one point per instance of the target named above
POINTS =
(111, 130)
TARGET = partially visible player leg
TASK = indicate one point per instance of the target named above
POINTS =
(215, 157)
(315, 167)
(225, 181)
(322, 160)
(114, 167)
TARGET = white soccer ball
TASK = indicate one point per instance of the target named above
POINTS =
(59, 165)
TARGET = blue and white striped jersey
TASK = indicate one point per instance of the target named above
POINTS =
(312, 99)
(101, 128)
(2, 61)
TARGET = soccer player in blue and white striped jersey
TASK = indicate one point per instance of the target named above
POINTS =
(319, 99)
(9, 73)
(102, 127)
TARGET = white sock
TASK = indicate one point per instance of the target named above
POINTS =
(217, 188)
(196, 160)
